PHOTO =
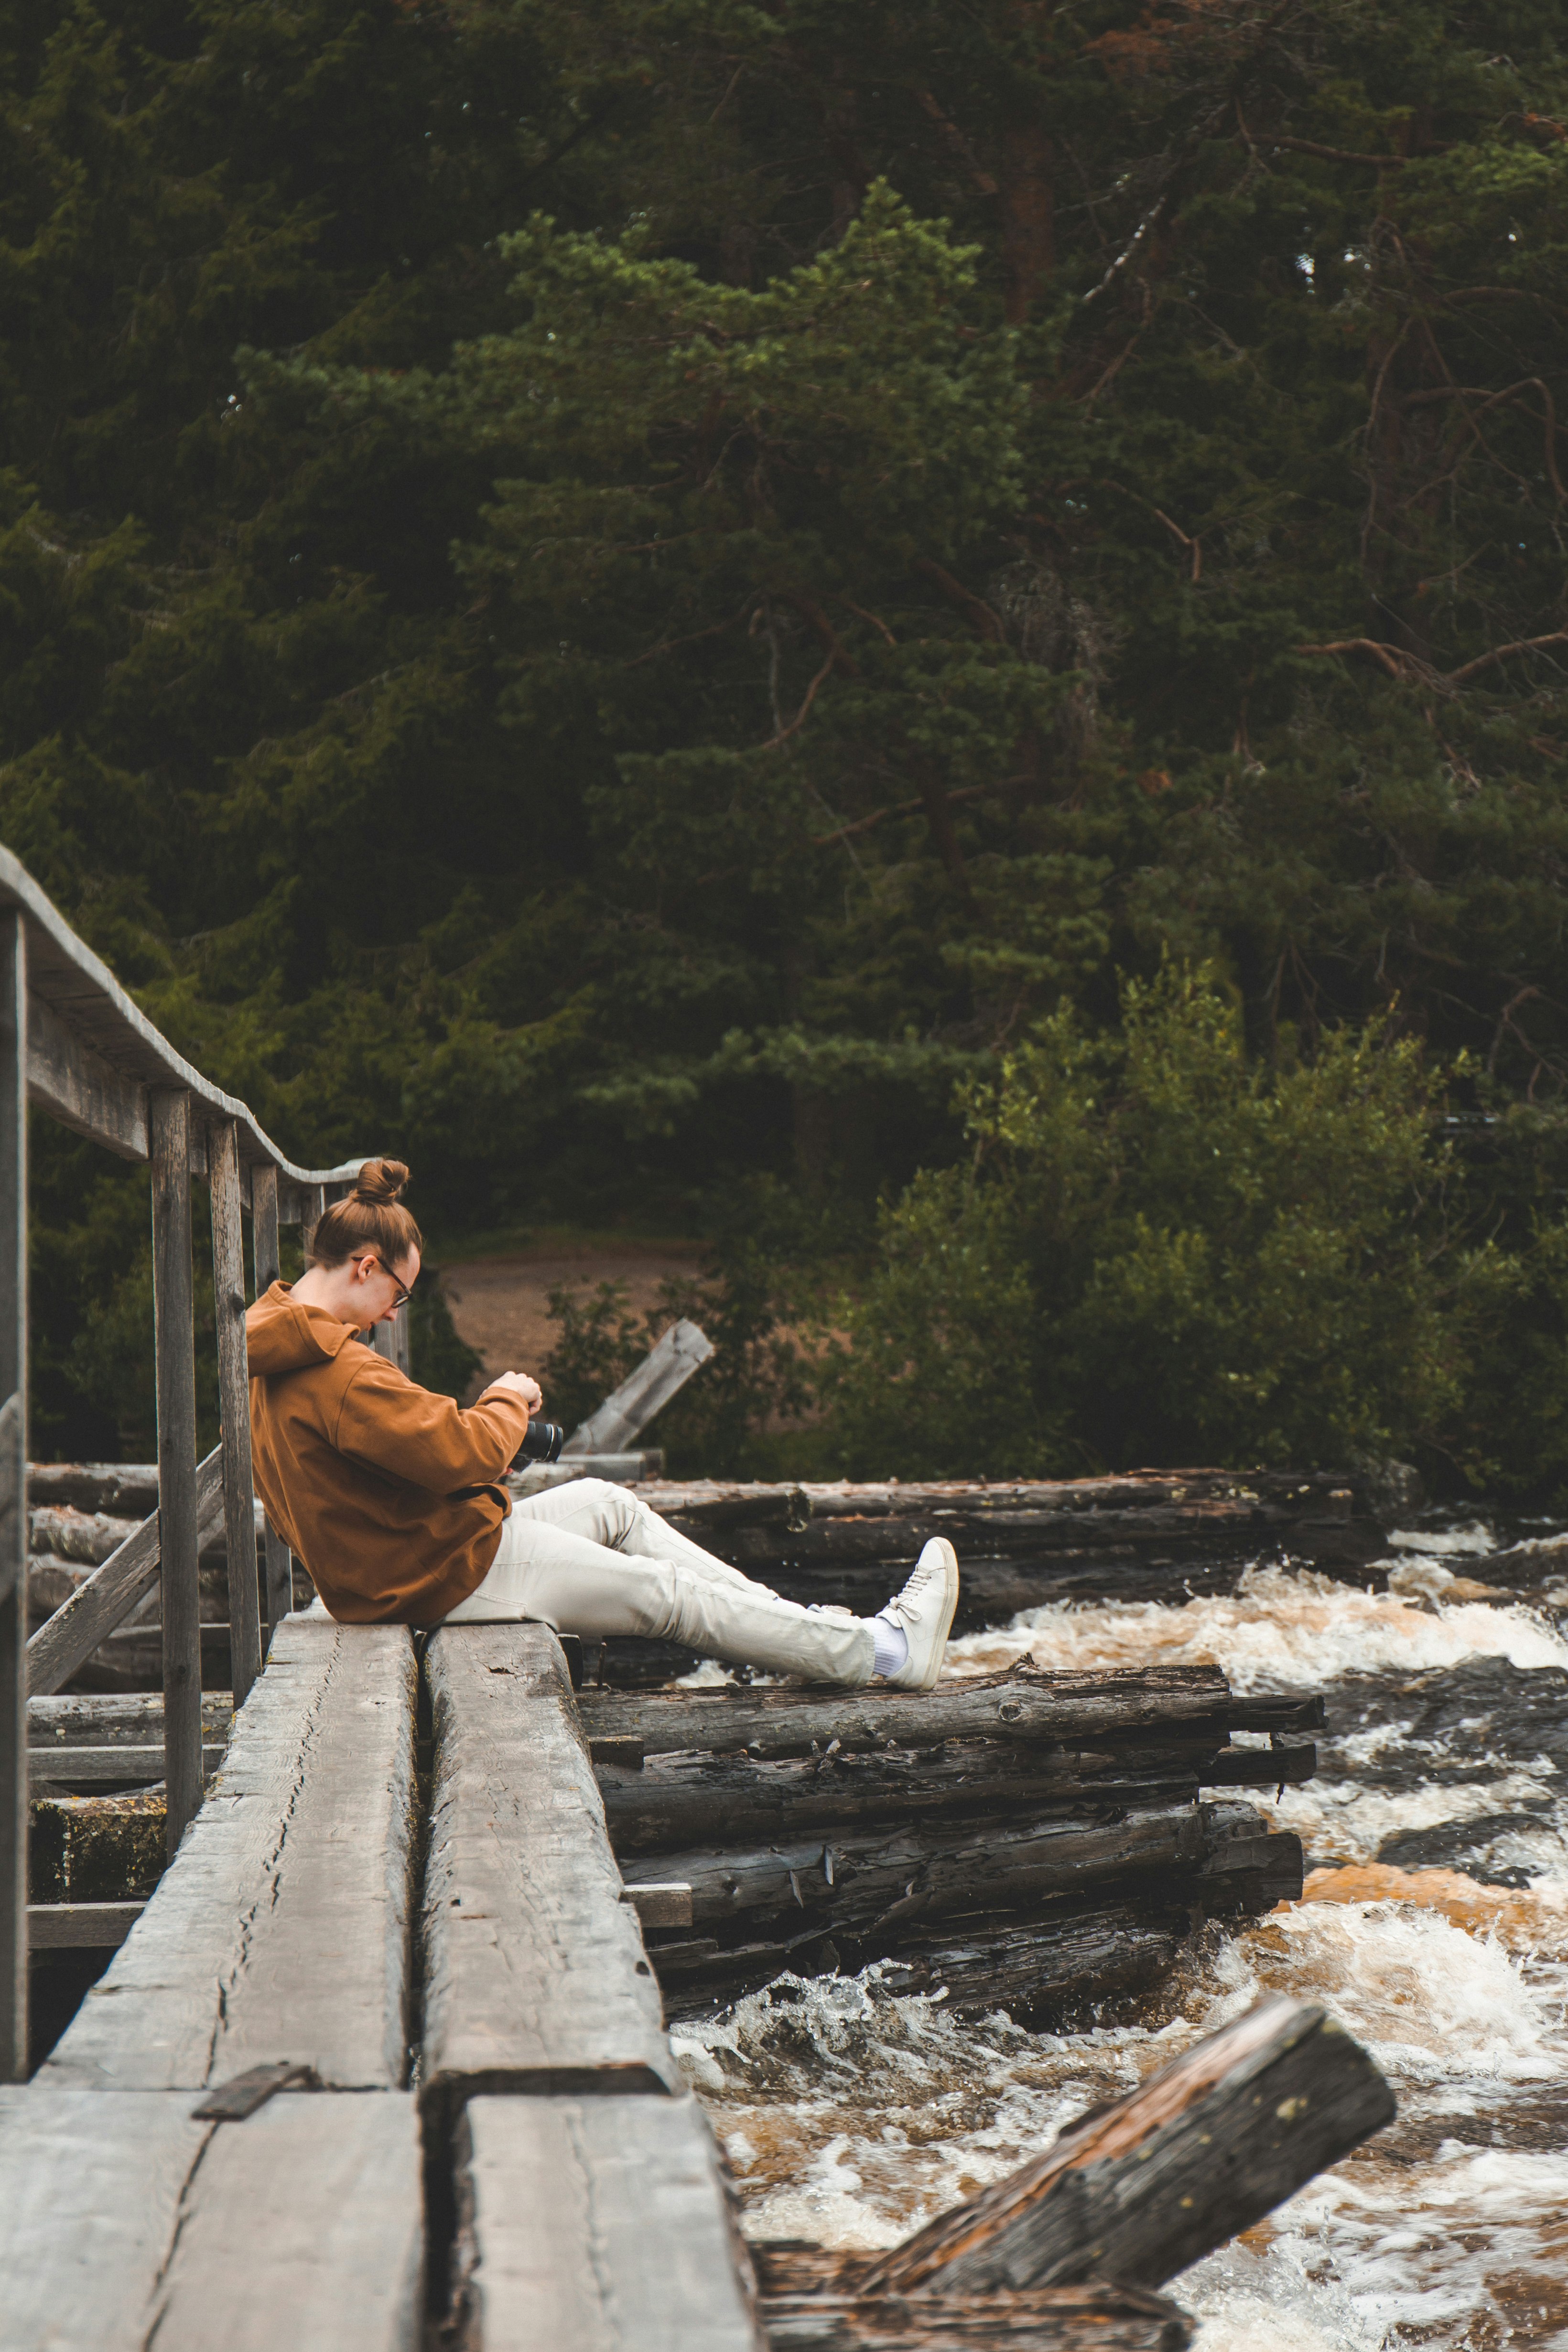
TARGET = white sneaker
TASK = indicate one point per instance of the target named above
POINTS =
(923, 1612)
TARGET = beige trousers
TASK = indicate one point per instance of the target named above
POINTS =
(588, 1558)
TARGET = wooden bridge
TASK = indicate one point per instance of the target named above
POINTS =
(400, 1878)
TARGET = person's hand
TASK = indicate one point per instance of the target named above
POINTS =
(523, 1385)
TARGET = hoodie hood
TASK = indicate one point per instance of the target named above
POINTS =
(283, 1336)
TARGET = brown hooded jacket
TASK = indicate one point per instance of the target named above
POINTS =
(391, 1498)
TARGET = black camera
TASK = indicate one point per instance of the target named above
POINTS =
(543, 1442)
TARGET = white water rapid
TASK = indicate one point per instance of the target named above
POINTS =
(1434, 1927)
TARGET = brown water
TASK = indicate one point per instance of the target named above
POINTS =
(1436, 1928)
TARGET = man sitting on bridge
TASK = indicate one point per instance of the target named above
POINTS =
(395, 1499)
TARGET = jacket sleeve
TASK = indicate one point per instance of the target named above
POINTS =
(388, 1423)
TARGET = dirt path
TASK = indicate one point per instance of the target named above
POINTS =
(500, 1304)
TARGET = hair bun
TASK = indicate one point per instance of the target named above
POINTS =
(380, 1183)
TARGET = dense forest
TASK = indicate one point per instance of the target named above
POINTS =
(927, 639)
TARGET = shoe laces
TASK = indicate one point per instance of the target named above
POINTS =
(921, 1577)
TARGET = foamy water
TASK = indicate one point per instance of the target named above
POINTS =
(851, 2114)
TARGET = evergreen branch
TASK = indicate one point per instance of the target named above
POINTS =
(896, 808)
(799, 720)
(973, 608)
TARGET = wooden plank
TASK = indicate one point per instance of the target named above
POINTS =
(174, 1341)
(234, 1406)
(598, 2224)
(79, 1088)
(264, 1240)
(125, 2220)
(80, 1926)
(612, 1426)
(1201, 2151)
(280, 1929)
(13, 1518)
(312, 1201)
(119, 1719)
(105, 1767)
(71, 1636)
(536, 1976)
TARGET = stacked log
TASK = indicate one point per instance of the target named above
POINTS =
(1029, 1840)
(1146, 1536)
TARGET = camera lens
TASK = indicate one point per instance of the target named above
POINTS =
(543, 1442)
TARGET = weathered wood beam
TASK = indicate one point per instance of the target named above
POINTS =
(611, 1427)
(600, 2225)
(174, 1341)
(105, 1766)
(126, 2220)
(79, 1088)
(280, 1930)
(1135, 2192)
(264, 1241)
(1024, 1706)
(234, 1406)
(80, 1926)
(116, 1719)
(536, 1976)
(13, 1514)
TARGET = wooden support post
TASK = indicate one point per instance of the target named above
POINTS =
(13, 1498)
(175, 1347)
(264, 1236)
(234, 1404)
(313, 1201)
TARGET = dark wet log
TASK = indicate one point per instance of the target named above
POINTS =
(866, 1883)
(1024, 1706)
(1090, 2318)
(1262, 1768)
(1139, 2191)
(699, 1800)
(1047, 1966)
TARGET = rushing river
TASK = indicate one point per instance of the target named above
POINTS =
(1435, 1927)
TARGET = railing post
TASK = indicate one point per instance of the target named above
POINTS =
(13, 1498)
(234, 1404)
(174, 1345)
(313, 1201)
(264, 1239)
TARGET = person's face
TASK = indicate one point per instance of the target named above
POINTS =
(380, 1290)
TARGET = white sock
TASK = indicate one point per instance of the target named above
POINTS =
(892, 1646)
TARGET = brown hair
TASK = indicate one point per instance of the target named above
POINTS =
(369, 1218)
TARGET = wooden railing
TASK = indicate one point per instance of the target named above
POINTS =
(74, 1045)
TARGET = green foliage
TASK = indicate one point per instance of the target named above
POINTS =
(611, 600)
(1160, 1253)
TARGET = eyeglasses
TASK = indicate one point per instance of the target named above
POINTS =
(404, 1295)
